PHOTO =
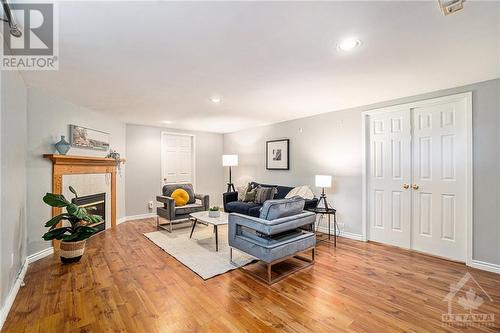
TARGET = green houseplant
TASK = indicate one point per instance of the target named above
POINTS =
(74, 234)
(214, 211)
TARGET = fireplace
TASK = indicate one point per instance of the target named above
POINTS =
(96, 205)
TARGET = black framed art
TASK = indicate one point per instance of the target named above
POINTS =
(278, 154)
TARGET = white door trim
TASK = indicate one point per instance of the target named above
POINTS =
(469, 162)
(193, 153)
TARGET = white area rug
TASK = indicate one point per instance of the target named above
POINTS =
(198, 253)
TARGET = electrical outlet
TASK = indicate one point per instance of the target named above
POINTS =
(151, 205)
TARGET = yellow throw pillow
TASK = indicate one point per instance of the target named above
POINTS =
(180, 196)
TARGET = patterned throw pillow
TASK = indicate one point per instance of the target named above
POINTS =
(265, 193)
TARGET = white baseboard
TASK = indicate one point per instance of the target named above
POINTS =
(351, 235)
(13, 293)
(39, 255)
(137, 217)
(344, 234)
(485, 266)
(19, 280)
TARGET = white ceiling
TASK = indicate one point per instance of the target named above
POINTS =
(146, 62)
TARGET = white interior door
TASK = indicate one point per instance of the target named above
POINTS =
(177, 158)
(390, 172)
(423, 144)
(439, 179)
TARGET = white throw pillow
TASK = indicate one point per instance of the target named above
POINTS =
(301, 191)
(242, 190)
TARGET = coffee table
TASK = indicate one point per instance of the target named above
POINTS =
(215, 221)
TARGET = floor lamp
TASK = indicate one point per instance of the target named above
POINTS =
(230, 161)
(323, 181)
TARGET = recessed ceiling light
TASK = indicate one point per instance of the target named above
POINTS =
(348, 44)
(167, 122)
(216, 99)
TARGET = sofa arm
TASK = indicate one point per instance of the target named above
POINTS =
(168, 209)
(229, 197)
(272, 227)
(165, 200)
(311, 203)
(204, 198)
(236, 221)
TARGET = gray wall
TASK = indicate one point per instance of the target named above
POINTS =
(331, 144)
(49, 117)
(13, 180)
(143, 181)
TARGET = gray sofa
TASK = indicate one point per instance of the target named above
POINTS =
(171, 212)
(276, 235)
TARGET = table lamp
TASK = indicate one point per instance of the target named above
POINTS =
(230, 161)
(323, 181)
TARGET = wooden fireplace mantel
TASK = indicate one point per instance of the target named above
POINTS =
(72, 165)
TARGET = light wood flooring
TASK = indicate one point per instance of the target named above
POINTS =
(125, 283)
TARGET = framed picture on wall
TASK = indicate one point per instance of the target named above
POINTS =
(82, 137)
(278, 154)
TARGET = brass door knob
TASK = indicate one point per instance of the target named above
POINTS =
(406, 186)
(415, 187)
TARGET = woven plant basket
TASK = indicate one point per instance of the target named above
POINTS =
(71, 251)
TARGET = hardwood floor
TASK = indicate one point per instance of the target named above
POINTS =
(125, 283)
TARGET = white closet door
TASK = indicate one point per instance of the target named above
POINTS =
(177, 158)
(439, 179)
(390, 172)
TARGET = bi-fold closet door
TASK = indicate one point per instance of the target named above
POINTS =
(417, 177)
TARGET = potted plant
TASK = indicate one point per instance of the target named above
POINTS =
(73, 234)
(214, 211)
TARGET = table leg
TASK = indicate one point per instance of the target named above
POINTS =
(192, 229)
(335, 229)
(216, 239)
(329, 232)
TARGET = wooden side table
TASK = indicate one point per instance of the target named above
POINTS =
(329, 212)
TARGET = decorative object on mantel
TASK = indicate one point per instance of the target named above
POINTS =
(73, 236)
(214, 211)
(82, 137)
(230, 161)
(278, 154)
(116, 155)
(62, 146)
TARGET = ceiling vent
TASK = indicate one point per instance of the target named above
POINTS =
(451, 6)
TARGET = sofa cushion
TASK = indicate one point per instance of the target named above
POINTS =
(240, 207)
(188, 209)
(275, 209)
(170, 188)
(254, 211)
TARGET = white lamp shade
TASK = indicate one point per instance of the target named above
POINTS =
(229, 160)
(323, 181)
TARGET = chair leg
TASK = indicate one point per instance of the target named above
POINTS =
(157, 222)
(269, 273)
(170, 226)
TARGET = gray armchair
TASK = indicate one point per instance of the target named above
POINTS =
(276, 235)
(175, 214)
